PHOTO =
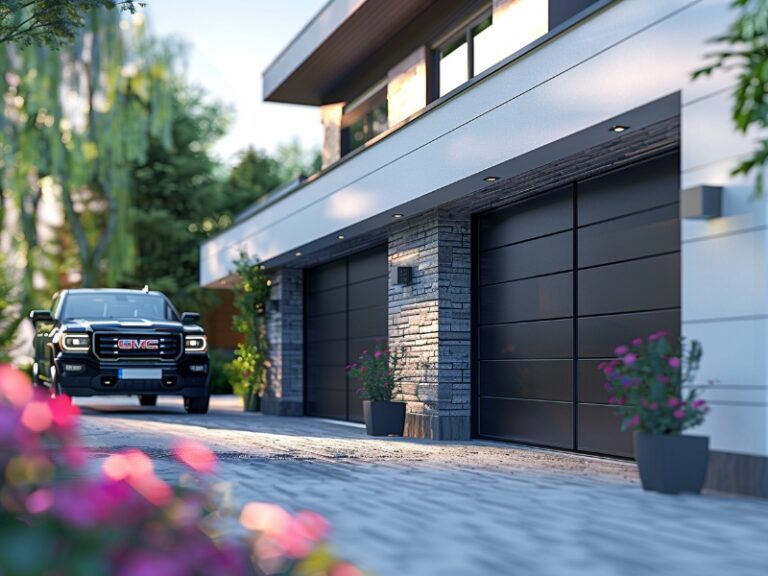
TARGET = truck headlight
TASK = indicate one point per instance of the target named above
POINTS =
(75, 342)
(196, 344)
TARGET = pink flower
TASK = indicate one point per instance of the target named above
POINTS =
(634, 422)
(679, 413)
(607, 386)
(344, 569)
(608, 369)
(39, 501)
(674, 362)
(629, 359)
(195, 455)
(37, 417)
(377, 354)
(657, 336)
(662, 379)
(621, 350)
(699, 403)
(672, 402)
(15, 385)
(637, 342)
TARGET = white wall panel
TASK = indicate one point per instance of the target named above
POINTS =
(737, 428)
(726, 276)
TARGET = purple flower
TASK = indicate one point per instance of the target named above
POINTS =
(674, 362)
(672, 402)
(679, 413)
(699, 403)
(621, 350)
(607, 386)
(637, 342)
(657, 336)
(634, 422)
(377, 354)
(629, 359)
(608, 369)
(654, 406)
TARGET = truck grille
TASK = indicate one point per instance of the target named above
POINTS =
(138, 346)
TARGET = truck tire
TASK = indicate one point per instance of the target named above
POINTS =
(196, 404)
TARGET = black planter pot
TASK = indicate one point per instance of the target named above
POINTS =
(384, 418)
(251, 401)
(672, 463)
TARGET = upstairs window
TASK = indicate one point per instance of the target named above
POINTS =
(364, 118)
(465, 54)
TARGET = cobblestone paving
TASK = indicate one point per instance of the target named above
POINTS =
(407, 507)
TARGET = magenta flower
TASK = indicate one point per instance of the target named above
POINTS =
(377, 354)
(629, 359)
(699, 403)
(637, 342)
(662, 379)
(634, 422)
(621, 350)
(679, 413)
(672, 402)
(674, 362)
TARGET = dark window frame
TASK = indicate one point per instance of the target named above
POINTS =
(364, 110)
(465, 32)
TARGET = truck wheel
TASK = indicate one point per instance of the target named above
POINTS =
(147, 399)
(196, 404)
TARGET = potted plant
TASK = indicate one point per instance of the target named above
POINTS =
(377, 374)
(249, 368)
(650, 380)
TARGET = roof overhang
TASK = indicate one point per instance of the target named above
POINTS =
(337, 40)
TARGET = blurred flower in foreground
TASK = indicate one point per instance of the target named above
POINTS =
(57, 518)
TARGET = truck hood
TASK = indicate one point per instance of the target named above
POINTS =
(129, 325)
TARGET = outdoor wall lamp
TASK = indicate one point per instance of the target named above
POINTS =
(701, 202)
(404, 275)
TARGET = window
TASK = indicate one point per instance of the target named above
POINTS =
(484, 41)
(94, 306)
(466, 53)
(364, 118)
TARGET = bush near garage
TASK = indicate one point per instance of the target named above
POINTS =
(58, 518)
(220, 376)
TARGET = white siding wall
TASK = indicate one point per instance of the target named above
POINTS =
(725, 277)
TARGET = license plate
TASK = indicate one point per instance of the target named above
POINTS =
(140, 373)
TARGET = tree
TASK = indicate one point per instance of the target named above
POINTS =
(51, 22)
(748, 52)
(178, 201)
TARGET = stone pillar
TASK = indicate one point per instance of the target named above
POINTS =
(430, 320)
(284, 395)
(330, 117)
(407, 87)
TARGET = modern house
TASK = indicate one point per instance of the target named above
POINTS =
(510, 189)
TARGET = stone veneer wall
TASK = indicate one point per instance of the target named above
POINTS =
(330, 117)
(431, 320)
(284, 395)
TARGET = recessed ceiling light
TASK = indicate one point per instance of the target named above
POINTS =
(298, 253)
(341, 236)
(618, 128)
(491, 178)
(397, 215)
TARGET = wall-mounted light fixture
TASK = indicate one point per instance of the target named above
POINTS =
(701, 202)
(404, 275)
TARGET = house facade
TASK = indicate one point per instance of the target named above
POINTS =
(510, 189)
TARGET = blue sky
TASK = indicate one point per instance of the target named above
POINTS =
(231, 42)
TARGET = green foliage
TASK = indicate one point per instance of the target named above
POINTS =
(51, 22)
(378, 373)
(648, 379)
(220, 376)
(748, 52)
(178, 202)
(252, 358)
(9, 316)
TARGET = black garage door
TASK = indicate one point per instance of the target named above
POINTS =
(564, 278)
(346, 312)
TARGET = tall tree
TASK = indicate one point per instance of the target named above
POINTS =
(179, 201)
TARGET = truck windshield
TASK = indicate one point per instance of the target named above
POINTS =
(106, 306)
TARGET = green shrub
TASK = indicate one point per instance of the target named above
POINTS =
(221, 382)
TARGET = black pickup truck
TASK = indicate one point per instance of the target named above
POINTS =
(110, 342)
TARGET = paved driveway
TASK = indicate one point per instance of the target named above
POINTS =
(407, 507)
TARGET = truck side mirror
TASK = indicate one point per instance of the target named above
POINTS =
(190, 317)
(40, 316)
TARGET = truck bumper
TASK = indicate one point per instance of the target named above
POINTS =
(82, 375)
